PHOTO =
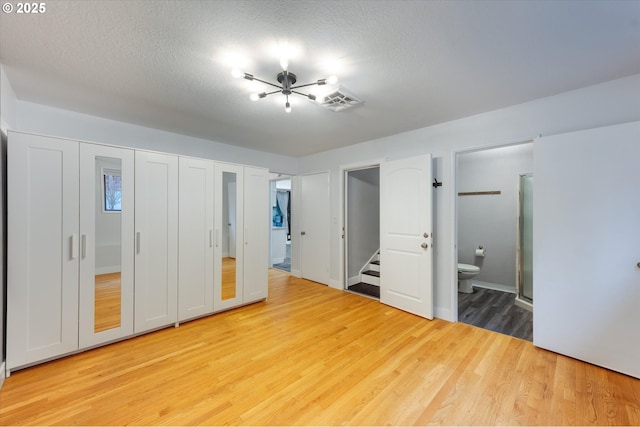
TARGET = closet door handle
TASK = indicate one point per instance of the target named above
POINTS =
(246, 236)
(74, 246)
(83, 243)
(210, 238)
(217, 236)
(138, 242)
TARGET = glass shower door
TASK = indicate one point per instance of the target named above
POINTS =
(525, 288)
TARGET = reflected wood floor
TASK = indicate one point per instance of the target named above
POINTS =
(228, 278)
(107, 302)
(313, 355)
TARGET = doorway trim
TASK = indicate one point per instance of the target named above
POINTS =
(343, 170)
(454, 203)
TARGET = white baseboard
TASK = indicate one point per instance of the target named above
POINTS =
(2, 373)
(494, 286)
(295, 273)
(336, 284)
(108, 270)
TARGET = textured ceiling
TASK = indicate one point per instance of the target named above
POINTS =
(167, 64)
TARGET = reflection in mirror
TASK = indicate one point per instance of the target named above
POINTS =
(228, 235)
(107, 310)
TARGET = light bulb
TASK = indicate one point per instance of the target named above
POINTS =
(254, 97)
(287, 107)
(237, 73)
(332, 80)
(284, 63)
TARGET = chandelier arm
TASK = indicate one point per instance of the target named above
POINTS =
(267, 83)
(300, 93)
(271, 93)
(308, 84)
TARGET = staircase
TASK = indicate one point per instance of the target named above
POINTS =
(371, 274)
(369, 278)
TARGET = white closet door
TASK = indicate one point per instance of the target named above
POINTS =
(256, 234)
(228, 236)
(195, 280)
(406, 252)
(106, 243)
(42, 255)
(315, 227)
(156, 239)
(586, 237)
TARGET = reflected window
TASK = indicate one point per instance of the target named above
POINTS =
(111, 190)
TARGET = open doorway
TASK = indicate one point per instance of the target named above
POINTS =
(280, 252)
(489, 242)
(362, 231)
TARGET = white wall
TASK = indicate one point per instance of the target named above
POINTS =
(7, 121)
(490, 220)
(7, 103)
(617, 101)
(41, 119)
(363, 225)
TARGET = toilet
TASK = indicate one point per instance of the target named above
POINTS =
(466, 272)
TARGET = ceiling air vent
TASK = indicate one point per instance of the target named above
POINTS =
(338, 100)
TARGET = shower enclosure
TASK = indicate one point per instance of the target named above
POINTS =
(524, 296)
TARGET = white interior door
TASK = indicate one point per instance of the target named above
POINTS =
(229, 232)
(406, 251)
(315, 227)
(195, 241)
(256, 234)
(43, 241)
(587, 246)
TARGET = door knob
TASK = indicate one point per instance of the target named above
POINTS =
(425, 245)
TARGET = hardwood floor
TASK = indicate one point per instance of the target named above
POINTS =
(496, 311)
(313, 355)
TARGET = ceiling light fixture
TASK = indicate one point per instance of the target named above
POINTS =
(286, 84)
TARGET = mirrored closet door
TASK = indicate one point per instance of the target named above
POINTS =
(228, 258)
(106, 244)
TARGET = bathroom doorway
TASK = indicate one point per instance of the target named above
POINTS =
(489, 238)
(280, 224)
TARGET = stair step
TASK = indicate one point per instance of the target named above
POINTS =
(366, 288)
(374, 267)
(376, 262)
(370, 279)
(372, 273)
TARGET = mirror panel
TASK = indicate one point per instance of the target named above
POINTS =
(108, 245)
(229, 238)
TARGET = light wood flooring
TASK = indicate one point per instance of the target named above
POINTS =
(312, 355)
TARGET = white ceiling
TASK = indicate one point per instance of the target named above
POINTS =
(167, 64)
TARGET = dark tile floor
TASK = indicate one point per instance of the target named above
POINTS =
(286, 264)
(496, 311)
